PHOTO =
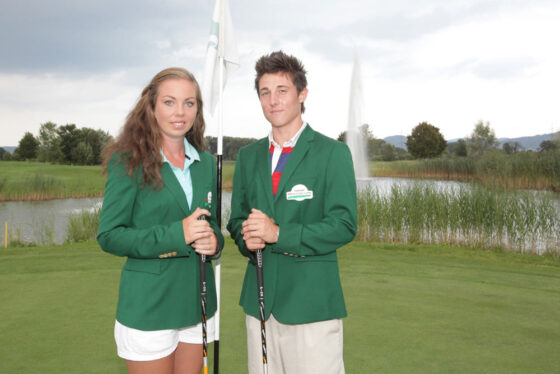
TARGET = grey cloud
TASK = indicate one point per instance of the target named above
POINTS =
(37, 36)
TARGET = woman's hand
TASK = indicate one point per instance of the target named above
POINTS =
(199, 234)
(195, 229)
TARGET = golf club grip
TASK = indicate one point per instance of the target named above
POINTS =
(260, 285)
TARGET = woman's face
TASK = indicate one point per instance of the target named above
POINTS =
(175, 108)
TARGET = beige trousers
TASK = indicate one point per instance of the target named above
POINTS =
(308, 348)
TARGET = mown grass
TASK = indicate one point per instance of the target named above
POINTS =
(523, 170)
(44, 181)
(470, 216)
(412, 309)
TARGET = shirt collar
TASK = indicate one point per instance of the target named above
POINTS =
(191, 154)
(290, 143)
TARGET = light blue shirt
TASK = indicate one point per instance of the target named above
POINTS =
(184, 176)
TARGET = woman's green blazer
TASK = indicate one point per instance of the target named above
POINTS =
(142, 223)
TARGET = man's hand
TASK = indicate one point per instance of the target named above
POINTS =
(207, 245)
(254, 244)
(258, 229)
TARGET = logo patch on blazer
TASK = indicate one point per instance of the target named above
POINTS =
(299, 193)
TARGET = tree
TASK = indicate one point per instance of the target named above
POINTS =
(231, 145)
(83, 154)
(460, 148)
(49, 144)
(425, 141)
(69, 139)
(510, 148)
(342, 137)
(548, 146)
(27, 148)
(95, 140)
(5, 155)
(388, 152)
(481, 140)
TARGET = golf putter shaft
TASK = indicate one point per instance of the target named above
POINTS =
(260, 285)
(202, 264)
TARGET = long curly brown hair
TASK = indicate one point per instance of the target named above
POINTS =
(139, 142)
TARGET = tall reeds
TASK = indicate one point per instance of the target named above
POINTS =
(468, 215)
(523, 170)
(83, 225)
(32, 187)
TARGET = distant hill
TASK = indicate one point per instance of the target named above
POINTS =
(398, 141)
(10, 149)
(527, 142)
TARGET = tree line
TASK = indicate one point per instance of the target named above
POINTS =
(69, 144)
(426, 141)
(66, 144)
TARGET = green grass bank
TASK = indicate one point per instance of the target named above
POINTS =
(44, 181)
(522, 170)
(412, 309)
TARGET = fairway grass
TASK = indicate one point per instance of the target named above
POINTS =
(412, 309)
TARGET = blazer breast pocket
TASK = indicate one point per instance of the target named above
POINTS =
(300, 199)
(143, 265)
(301, 188)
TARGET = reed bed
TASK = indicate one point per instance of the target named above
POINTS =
(524, 170)
(83, 226)
(43, 181)
(475, 216)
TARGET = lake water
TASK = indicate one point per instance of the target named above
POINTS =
(31, 220)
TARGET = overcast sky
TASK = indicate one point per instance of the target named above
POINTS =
(450, 63)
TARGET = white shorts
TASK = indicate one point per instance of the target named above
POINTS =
(138, 345)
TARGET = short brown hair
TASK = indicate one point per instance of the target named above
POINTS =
(280, 62)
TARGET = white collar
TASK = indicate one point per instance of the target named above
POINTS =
(290, 143)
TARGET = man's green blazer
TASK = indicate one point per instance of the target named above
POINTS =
(143, 223)
(315, 208)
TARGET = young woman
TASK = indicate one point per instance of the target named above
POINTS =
(158, 185)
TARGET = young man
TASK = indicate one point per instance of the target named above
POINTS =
(294, 197)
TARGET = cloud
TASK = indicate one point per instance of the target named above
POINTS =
(78, 36)
(449, 62)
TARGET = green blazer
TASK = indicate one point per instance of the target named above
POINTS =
(301, 278)
(142, 223)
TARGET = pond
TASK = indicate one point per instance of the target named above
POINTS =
(34, 221)
(37, 221)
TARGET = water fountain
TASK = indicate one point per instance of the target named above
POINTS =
(354, 137)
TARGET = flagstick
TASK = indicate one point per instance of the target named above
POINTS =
(219, 212)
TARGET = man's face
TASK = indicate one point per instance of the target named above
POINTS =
(280, 102)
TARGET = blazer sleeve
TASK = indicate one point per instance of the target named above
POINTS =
(239, 207)
(338, 225)
(117, 232)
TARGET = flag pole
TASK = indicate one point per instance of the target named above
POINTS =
(221, 59)
(219, 152)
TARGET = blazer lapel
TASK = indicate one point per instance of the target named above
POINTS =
(298, 154)
(173, 186)
(263, 172)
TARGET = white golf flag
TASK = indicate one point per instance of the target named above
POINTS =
(221, 45)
